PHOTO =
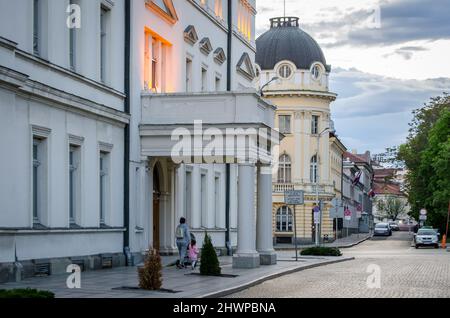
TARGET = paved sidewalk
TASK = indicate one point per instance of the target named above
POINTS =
(110, 283)
(345, 242)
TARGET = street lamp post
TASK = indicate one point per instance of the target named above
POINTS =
(276, 78)
(317, 188)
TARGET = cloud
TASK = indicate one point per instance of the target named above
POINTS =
(374, 111)
(407, 52)
(374, 23)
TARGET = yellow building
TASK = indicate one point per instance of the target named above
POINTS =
(293, 74)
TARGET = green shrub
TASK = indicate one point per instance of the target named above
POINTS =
(209, 263)
(150, 277)
(26, 293)
(322, 251)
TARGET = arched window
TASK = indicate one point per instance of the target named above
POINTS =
(314, 170)
(284, 219)
(284, 169)
(285, 71)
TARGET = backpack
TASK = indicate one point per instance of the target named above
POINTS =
(179, 232)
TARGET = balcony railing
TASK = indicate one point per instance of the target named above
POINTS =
(282, 187)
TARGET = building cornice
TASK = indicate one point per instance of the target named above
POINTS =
(22, 85)
(301, 93)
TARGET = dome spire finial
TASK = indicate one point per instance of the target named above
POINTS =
(284, 22)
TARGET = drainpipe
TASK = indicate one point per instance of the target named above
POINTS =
(126, 197)
(228, 167)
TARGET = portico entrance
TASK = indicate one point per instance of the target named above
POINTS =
(239, 128)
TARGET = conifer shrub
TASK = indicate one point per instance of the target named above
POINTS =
(209, 263)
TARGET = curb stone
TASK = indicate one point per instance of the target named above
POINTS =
(356, 243)
(339, 246)
(260, 280)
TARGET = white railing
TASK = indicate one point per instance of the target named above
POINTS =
(282, 187)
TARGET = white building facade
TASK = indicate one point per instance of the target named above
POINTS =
(87, 115)
(62, 136)
(186, 72)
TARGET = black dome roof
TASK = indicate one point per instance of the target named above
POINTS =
(286, 41)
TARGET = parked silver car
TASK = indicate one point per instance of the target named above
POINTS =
(394, 226)
(426, 237)
(382, 229)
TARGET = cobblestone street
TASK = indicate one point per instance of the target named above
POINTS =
(405, 272)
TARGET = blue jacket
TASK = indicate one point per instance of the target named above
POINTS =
(187, 236)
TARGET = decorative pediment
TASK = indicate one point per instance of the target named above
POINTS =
(190, 35)
(219, 56)
(163, 8)
(205, 46)
(245, 67)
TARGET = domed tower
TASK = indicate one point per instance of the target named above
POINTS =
(293, 74)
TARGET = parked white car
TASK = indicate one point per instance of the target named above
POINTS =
(426, 237)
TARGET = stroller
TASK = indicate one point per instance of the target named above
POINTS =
(186, 262)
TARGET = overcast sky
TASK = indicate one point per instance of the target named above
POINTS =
(388, 57)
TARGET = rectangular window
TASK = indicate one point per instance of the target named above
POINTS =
(37, 168)
(315, 125)
(104, 18)
(285, 124)
(104, 185)
(218, 84)
(74, 182)
(155, 54)
(204, 80)
(36, 26)
(154, 63)
(218, 10)
(245, 17)
(188, 75)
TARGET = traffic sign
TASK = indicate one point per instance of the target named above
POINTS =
(294, 197)
(423, 212)
(348, 214)
(422, 217)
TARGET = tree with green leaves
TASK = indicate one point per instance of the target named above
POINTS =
(391, 207)
(427, 157)
(209, 264)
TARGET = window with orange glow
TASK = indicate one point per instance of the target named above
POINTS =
(218, 9)
(155, 54)
(245, 17)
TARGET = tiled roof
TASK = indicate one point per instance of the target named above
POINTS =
(387, 188)
(357, 157)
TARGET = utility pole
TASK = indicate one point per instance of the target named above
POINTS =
(317, 189)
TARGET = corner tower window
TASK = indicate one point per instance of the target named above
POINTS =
(316, 72)
(285, 71)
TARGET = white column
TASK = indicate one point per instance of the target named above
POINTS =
(246, 255)
(264, 237)
(196, 198)
(180, 209)
(211, 199)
